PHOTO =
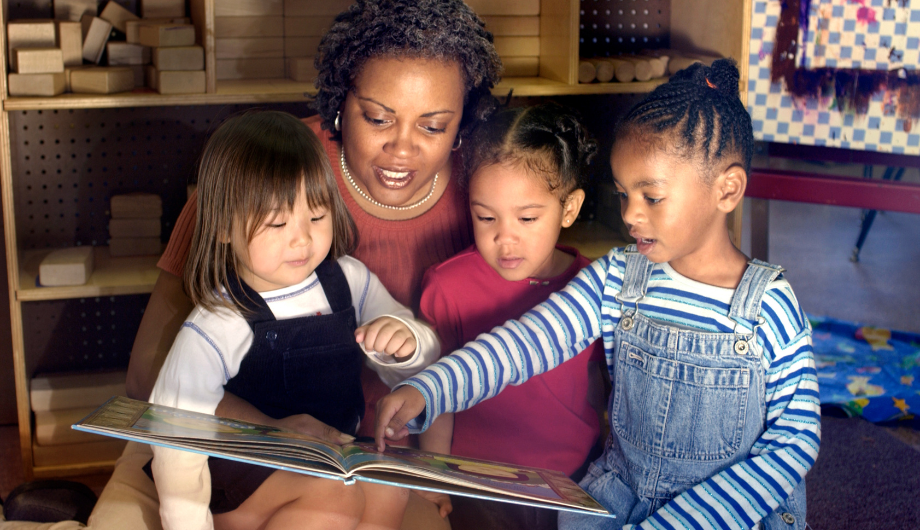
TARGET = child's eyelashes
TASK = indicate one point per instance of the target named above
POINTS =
(318, 218)
(651, 200)
(485, 219)
(528, 220)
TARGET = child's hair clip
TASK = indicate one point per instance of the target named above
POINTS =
(710, 85)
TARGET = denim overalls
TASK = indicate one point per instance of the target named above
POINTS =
(685, 405)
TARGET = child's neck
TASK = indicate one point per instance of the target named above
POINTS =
(721, 266)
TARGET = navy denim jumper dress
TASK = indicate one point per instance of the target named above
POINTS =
(685, 405)
(304, 365)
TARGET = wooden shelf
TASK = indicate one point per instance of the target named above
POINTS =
(286, 90)
(111, 277)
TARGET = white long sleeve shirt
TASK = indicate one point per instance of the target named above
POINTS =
(208, 351)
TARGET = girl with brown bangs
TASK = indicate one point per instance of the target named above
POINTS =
(284, 319)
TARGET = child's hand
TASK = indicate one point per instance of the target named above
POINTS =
(442, 501)
(394, 410)
(387, 335)
(306, 424)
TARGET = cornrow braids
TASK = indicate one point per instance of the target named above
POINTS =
(444, 30)
(548, 139)
(700, 106)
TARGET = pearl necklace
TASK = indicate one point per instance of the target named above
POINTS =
(368, 198)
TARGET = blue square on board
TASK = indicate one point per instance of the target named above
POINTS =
(752, 85)
(915, 15)
(834, 133)
(772, 114)
(830, 63)
(849, 25)
(808, 130)
(913, 140)
(820, 141)
(885, 138)
(811, 104)
(824, 118)
(776, 88)
(871, 147)
(833, 37)
(873, 28)
(860, 40)
(756, 33)
(859, 135)
(900, 28)
(760, 100)
(846, 52)
(771, 21)
(797, 116)
(848, 120)
(888, 14)
(837, 11)
(845, 145)
(760, 7)
(820, 50)
(878, 3)
(913, 43)
(767, 48)
(897, 149)
(768, 138)
(870, 54)
(785, 102)
(764, 73)
(874, 122)
(782, 128)
(757, 125)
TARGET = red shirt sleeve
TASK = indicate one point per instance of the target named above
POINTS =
(180, 241)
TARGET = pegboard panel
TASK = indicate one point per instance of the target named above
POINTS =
(610, 27)
(67, 164)
(81, 334)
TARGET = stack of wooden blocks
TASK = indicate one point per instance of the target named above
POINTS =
(49, 57)
(642, 66)
(134, 227)
(515, 25)
(264, 39)
(177, 62)
(60, 400)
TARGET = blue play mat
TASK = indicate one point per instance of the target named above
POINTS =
(867, 371)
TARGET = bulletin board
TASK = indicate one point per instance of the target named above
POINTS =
(836, 73)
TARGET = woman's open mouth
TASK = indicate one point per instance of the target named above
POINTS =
(394, 180)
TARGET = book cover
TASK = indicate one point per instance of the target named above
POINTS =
(143, 422)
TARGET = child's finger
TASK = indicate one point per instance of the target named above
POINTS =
(394, 411)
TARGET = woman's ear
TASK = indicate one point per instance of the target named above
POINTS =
(729, 187)
(572, 206)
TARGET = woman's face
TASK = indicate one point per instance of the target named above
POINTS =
(399, 124)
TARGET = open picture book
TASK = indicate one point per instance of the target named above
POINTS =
(262, 445)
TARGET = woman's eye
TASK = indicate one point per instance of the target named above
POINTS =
(433, 129)
(375, 121)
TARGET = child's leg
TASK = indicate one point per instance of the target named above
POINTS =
(384, 506)
(293, 500)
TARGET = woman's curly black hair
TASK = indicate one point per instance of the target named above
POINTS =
(430, 29)
(548, 139)
(701, 109)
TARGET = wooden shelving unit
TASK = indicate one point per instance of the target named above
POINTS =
(709, 26)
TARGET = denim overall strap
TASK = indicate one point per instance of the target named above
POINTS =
(748, 294)
(635, 279)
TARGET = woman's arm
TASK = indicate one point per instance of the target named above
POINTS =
(166, 311)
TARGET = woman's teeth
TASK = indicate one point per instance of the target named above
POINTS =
(394, 174)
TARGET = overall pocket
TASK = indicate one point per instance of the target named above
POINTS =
(674, 409)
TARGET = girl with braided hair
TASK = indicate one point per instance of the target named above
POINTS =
(714, 415)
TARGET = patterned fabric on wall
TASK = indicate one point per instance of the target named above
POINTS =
(837, 73)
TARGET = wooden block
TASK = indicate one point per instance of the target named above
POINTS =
(163, 8)
(36, 84)
(301, 46)
(66, 266)
(106, 450)
(623, 71)
(179, 58)
(132, 27)
(69, 70)
(150, 76)
(517, 46)
(39, 60)
(262, 68)
(604, 69)
(249, 48)
(73, 10)
(74, 390)
(136, 246)
(504, 7)
(70, 41)
(95, 35)
(28, 34)
(124, 54)
(162, 35)
(586, 72)
(150, 227)
(307, 26)
(137, 205)
(301, 69)
(249, 8)
(521, 66)
(116, 15)
(312, 8)
(179, 82)
(102, 80)
(236, 27)
(642, 64)
(502, 26)
(53, 427)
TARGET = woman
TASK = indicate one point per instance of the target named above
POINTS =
(400, 83)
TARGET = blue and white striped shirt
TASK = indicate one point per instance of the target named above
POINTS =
(587, 308)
